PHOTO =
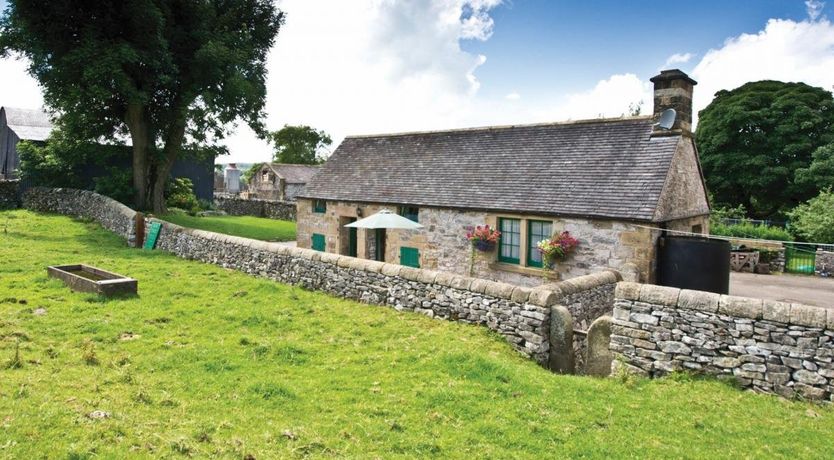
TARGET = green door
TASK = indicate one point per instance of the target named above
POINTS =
(379, 234)
(352, 241)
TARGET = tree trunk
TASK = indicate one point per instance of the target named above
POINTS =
(173, 146)
(140, 137)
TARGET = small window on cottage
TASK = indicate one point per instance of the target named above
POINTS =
(509, 245)
(265, 177)
(319, 206)
(537, 230)
(318, 242)
(410, 257)
(410, 212)
(697, 229)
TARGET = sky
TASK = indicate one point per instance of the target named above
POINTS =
(378, 66)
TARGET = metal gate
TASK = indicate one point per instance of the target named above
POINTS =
(800, 259)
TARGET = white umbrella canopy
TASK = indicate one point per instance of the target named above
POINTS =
(385, 219)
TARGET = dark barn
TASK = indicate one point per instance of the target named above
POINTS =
(35, 126)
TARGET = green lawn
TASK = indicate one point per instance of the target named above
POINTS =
(209, 362)
(257, 228)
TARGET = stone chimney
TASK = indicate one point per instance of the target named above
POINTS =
(232, 178)
(673, 90)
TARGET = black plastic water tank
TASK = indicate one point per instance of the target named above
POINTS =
(700, 264)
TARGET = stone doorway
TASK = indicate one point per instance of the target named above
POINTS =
(347, 237)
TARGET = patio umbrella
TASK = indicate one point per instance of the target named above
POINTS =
(385, 219)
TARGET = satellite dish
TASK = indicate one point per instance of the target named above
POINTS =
(667, 118)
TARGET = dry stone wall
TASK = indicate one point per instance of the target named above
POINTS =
(824, 263)
(586, 298)
(111, 214)
(764, 345)
(522, 315)
(9, 194)
(270, 209)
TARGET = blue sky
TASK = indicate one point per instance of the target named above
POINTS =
(371, 66)
(537, 42)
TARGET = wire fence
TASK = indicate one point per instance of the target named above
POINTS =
(769, 223)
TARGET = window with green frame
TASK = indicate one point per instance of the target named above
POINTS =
(410, 257)
(537, 230)
(318, 242)
(410, 212)
(319, 206)
(509, 245)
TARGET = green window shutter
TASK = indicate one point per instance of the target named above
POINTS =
(509, 245)
(319, 206)
(318, 242)
(410, 257)
(537, 230)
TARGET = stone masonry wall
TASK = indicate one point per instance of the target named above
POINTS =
(111, 214)
(824, 263)
(281, 210)
(521, 315)
(9, 194)
(764, 345)
(586, 298)
(443, 246)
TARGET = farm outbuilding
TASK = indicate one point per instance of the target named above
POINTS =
(19, 125)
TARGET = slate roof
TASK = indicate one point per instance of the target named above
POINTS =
(596, 168)
(294, 174)
(28, 124)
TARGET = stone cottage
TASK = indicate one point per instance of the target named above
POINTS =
(280, 181)
(614, 184)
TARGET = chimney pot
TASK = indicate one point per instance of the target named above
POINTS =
(673, 90)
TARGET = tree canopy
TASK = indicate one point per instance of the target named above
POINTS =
(820, 173)
(814, 220)
(300, 145)
(170, 74)
(754, 138)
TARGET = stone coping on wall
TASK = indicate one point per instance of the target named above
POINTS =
(739, 307)
(541, 297)
(585, 282)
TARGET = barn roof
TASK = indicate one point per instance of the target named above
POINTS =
(597, 168)
(28, 124)
(293, 173)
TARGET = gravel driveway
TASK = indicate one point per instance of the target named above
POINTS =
(810, 290)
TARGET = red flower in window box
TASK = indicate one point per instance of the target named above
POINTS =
(557, 247)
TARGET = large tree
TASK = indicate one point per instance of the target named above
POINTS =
(752, 140)
(170, 74)
(300, 145)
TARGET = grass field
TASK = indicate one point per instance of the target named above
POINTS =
(208, 362)
(257, 228)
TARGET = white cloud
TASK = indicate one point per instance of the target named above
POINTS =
(677, 58)
(17, 88)
(785, 50)
(513, 96)
(372, 66)
(609, 98)
(814, 8)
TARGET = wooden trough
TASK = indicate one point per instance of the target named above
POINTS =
(84, 278)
